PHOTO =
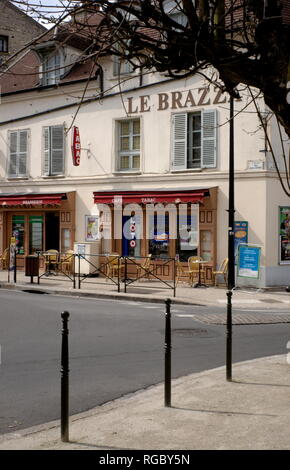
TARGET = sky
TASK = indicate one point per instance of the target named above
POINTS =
(44, 10)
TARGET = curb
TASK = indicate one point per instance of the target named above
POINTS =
(117, 296)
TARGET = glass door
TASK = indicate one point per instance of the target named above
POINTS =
(18, 231)
(35, 233)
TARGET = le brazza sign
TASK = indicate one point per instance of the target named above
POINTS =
(76, 146)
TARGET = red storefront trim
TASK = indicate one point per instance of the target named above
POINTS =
(150, 197)
(24, 200)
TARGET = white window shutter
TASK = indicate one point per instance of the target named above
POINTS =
(23, 152)
(209, 138)
(57, 150)
(12, 171)
(179, 144)
(46, 151)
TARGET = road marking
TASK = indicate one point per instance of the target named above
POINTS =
(184, 316)
(240, 301)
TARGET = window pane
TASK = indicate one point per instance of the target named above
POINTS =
(196, 121)
(196, 139)
(136, 161)
(125, 143)
(125, 162)
(194, 159)
(124, 128)
(136, 127)
(136, 142)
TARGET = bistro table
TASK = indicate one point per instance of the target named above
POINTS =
(199, 283)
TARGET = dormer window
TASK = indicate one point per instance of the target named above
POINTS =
(52, 69)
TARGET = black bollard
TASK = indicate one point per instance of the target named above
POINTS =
(167, 383)
(64, 379)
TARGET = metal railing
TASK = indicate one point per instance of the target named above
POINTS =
(149, 272)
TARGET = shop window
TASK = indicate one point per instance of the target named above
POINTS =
(53, 142)
(159, 236)
(18, 232)
(129, 145)
(3, 43)
(18, 153)
(194, 140)
(35, 234)
(187, 236)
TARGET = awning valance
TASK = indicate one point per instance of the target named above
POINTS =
(151, 197)
(24, 200)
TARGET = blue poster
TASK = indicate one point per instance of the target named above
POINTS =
(249, 261)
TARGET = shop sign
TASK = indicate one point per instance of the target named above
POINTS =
(241, 235)
(249, 261)
(284, 235)
(76, 146)
(132, 243)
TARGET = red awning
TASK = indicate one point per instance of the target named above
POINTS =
(31, 200)
(150, 197)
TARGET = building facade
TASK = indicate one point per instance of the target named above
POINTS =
(143, 143)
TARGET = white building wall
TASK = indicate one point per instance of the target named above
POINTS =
(258, 193)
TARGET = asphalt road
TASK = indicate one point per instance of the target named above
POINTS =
(115, 348)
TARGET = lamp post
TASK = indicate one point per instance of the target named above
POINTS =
(231, 244)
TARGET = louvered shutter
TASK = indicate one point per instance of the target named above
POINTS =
(209, 139)
(179, 144)
(12, 171)
(57, 150)
(46, 151)
(22, 153)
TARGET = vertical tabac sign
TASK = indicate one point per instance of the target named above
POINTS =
(76, 146)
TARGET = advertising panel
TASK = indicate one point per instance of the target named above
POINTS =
(249, 261)
(284, 235)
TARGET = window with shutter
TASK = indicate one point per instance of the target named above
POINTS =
(53, 149)
(209, 133)
(194, 140)
(18, 153)
(179, 159)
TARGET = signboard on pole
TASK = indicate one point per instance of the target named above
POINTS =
(249, 261)
(241, 236)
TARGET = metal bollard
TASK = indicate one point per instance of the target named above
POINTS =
(64, 379)
(167, 362)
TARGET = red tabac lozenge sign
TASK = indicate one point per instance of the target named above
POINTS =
(76, 146)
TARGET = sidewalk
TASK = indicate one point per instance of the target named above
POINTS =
(152, 291)
(207, 412)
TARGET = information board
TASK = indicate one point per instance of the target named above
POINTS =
(249, 261)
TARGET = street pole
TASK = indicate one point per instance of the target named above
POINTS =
(231, 245)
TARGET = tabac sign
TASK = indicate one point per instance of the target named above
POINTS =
(76, 146)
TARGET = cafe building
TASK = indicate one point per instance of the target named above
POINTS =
(140, 168)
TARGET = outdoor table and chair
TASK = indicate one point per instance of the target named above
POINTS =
(51, 262)
(196, 270)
